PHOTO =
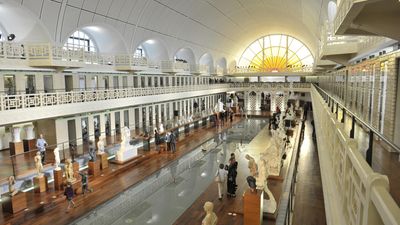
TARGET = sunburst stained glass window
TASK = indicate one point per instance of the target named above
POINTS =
(276, 53)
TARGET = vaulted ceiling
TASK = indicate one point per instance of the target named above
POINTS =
(223, 28)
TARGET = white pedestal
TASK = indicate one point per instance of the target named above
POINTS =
(128, 154)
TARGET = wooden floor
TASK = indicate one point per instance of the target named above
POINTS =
(51, 206)
(309, 199)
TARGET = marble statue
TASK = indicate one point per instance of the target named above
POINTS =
(126, 151)
(252, 165)
(29, 132)
(16, 134)
(161, 129)
(92, 151)
(262, 184)
(219, 107)
(11, 186)
(38, 164)
(57, 158)
(101, 144)
(290, 115)
(297, 104)
(69, 171)
(210, 218)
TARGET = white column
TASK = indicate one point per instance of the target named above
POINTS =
(112, 122)
(102, 124)
(39, 83)
(121, 119)
(78, 130)
(62, 133)
(132, 118)
(19, 82)
(91, 127)
(159, 114)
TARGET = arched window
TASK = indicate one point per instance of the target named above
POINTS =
(79, 40)
(139, 52)
(276, 53)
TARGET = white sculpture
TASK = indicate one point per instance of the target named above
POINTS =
(57, 158)
(126, 151)
(101, 144)
(16, 134)
(219, 107)
(38, 164)
(161, 129)
(290, 113)
(11, 186)
(252, 165)
(29, 132)
(210, 218)
(262, 184)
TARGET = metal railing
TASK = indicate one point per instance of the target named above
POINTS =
(286, 202)
(353, 192)
(357, 118)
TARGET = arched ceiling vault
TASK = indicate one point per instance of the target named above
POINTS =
(223, 28)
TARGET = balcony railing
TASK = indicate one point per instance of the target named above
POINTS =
(12, 102)
(342, 11)
(294, 69)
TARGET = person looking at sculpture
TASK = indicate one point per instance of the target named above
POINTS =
(92, 151)
(232, 174)
(41, 146)
(220, 178)
(85, 182)
(172, 138)
(157, 140)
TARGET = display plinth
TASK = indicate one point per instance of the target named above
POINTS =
(40, 184)
(125, 156)
(75, 167)
(13, 204)
(103, 158)
(76, 185)
(253, 207)
(29, 144)
(16, 148)
(94, 168)
(58, 179)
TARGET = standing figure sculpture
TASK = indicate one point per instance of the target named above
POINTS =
(11, 186)
(57, 158)
(38, 164)
(161, 129)
(219, 108)
(101, 144)
(69, 171)
(210, 218)
(262, 184)
(92, 151)
(252, 165)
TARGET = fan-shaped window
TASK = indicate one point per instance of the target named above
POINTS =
(80, 40)
(139, 52)
(276, 53)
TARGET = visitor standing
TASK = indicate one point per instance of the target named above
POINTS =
(168, 141)
(41, 146)
(173, 142)
(157, 140)
(232, 174)
(220, 178)
(69, 194)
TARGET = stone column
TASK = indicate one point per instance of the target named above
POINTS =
(78, 130)
(112, 122)
(91, 127)
(102, 122)
(132, 118)
(122, 119)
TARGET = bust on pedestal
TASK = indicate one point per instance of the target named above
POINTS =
(101, 153)
(210, 218)
(126, 151)
(58, 175)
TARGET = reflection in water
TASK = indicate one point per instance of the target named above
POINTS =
(186, 179)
